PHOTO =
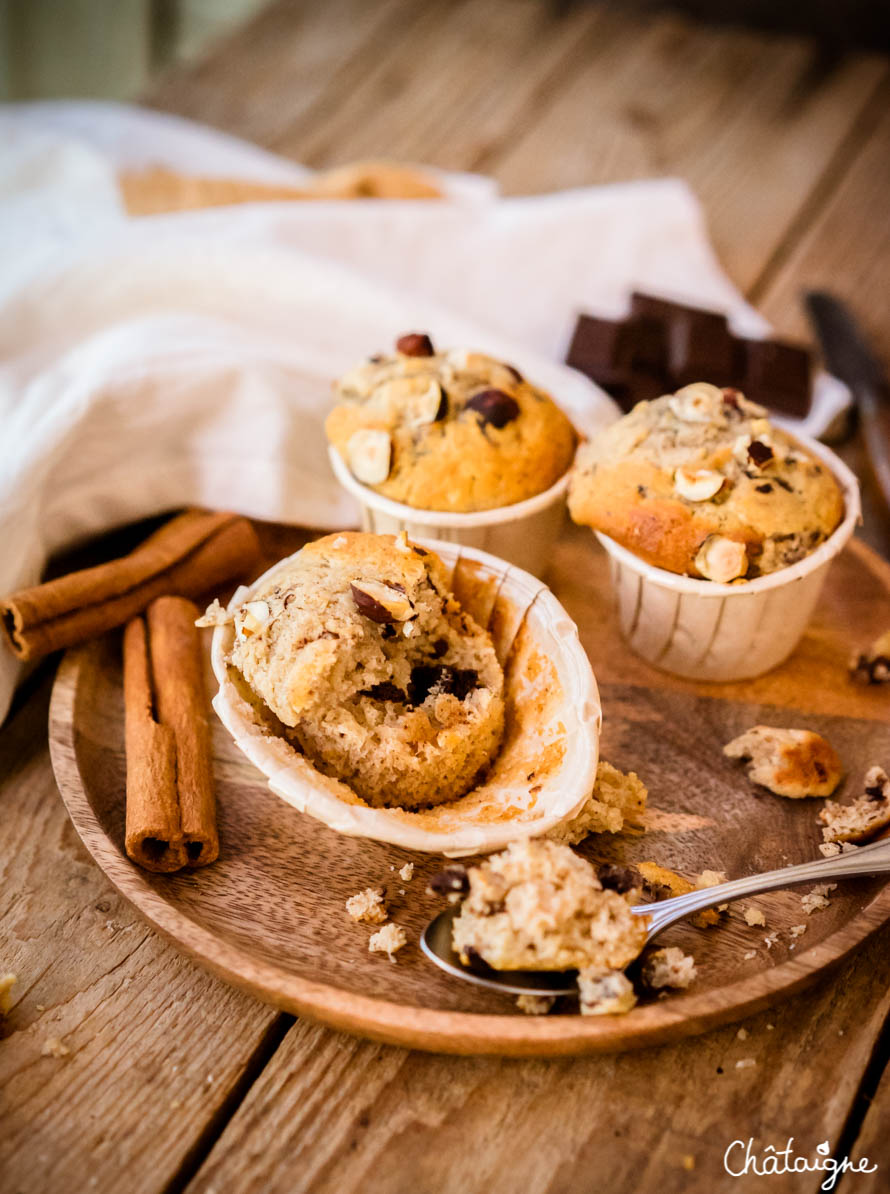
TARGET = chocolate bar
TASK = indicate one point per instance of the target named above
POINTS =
(662, 346)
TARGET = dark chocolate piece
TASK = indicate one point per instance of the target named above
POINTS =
(662, 346)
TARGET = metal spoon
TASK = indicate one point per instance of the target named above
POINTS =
(436, 940)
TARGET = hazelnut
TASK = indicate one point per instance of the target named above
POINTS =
(698, 485)
(697, 403)
(429, 406)
(415, 344)
(252, 617)
(494, 407)
(369, 454)
(721, 559)
(381, 602)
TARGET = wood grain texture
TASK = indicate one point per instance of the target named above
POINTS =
(270, 915)
(272, 73)
(845, 246)
(871, 1143)
(749, 120)
(543, 99)
(155, 1045)
(627, 1122)
(333, 1115)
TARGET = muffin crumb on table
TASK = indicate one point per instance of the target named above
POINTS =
(872, 666)
(791, 763)
(388, 940)
(368, 906)
(865, 817)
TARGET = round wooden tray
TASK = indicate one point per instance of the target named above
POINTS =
(269, 915)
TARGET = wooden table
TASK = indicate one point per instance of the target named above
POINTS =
(173, 1081)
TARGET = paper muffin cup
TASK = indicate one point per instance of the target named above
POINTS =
(546, 766)
(522, 533)
(706, 631)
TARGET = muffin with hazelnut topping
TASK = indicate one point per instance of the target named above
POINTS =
(452, 431)
(373, 670)
(702, 483)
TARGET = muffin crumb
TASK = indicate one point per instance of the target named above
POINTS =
(865, 817)
(790, 763)
(535, 1005)
(817, 899)
(539, 906)
(872, 666)
(604, 992)
(661, 883)
(388, 940)
(406, 873)
(753, 916)
(617, 798)
(54, 1047)
(668, 968)
(7, 982)
(368, 906)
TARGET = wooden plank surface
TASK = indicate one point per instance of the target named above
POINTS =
(543, 99)
(333, 1114)
(789, 163)
(151, 1048)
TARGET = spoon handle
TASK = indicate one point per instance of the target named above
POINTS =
(866, 860)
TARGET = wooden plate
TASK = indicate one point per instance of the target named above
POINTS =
(269, 915)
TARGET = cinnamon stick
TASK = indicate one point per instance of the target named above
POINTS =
(190, 555)
(171, 808)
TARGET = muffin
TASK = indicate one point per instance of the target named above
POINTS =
(454, 431)
(539, 906)
(701, 483)
(373, 670)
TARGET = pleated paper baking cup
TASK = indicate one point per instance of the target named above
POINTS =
(706, 631)
(545, 768)
(523, 533)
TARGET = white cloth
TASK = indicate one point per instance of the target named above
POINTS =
(186, 359)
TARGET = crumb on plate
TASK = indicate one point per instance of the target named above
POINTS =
(368, 906)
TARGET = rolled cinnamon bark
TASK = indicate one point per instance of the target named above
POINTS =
(171, 807)
(192, 554)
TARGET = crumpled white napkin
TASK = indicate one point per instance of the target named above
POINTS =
(186, 359)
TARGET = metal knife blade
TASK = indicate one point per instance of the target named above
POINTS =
(849, 357)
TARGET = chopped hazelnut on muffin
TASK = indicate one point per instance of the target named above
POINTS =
(701, 483)
(451, 431)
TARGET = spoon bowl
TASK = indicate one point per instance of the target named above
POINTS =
(436, 941)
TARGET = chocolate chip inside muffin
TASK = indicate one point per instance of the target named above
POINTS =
(371, 668)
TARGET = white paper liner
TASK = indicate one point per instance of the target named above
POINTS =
(706, 631)
(547, 766)
(522, 533)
